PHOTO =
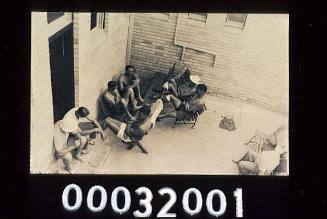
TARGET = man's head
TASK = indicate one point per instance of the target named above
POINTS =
(201, 89)
(112, 85)
(129, 70)
(82, 112)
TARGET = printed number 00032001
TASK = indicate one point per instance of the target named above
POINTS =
(146, 202)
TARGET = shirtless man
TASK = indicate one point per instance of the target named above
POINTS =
(118, 104)
(130, 79)
(185, 110)
(69, 136)
(133, 132)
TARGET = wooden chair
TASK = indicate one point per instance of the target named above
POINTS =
(258, 141)
(267, 141)
(192, 119)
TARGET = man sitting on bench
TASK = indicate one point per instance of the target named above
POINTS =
(130, 79)
(180, 90)
(189, 109)
(117, 104)
(133, 132)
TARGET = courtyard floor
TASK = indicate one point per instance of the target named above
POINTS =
(206, 149)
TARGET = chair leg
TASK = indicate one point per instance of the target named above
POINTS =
(142, 148)
(174, 125)
(249, 140)
(194, 123)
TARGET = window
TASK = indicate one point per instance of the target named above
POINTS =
(97, 20)
(236, 20)
(51, 16)
(198, 16)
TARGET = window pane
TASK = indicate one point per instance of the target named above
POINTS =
(51, 16)
(198, 16)
(93, 20)
(240, 18)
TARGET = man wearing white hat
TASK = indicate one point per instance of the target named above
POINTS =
(183, 90)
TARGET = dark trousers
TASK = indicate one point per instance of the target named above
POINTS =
(88, 126)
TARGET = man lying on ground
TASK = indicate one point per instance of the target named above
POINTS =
(179, 90)
(264, 163)
(130, 79)
(117, 104)
(133, 132)
(188, 109)
(68, 136)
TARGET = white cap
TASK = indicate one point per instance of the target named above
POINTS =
(195, 79)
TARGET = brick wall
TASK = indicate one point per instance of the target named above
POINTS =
(250, 64)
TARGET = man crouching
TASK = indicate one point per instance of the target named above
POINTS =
(68, 136)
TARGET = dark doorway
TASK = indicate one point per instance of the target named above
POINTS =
(62, 71)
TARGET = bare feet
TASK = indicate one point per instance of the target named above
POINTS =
(138, 107)
(85, 151)
(78, 157)
(102, 136)
(141, 99)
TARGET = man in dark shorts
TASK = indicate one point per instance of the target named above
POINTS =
(130, 79)
(133, 132)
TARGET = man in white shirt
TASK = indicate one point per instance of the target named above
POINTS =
(69, 136)
(253, 163)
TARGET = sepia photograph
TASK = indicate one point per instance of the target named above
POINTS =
(159, 93)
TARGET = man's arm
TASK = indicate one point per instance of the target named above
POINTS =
(94, 121)
(62, 152)
(135, 83)
(108, 99)
(125, 105)
(121, 82)
(97, 129)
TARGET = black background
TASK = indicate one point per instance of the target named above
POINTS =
(301, 195)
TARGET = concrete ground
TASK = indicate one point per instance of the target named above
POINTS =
(206, 149)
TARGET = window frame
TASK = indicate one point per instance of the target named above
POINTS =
(198, 17)
(54, 16)
(235, 23)
(100, 22)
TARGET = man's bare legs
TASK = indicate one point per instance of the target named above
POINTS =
(138, 92)
(172, 86)
(130, 97)
(67, 159)
(113, 125)
(247, 163)
(83, 142)
(176, 102)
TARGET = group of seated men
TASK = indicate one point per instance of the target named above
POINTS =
(130, 117)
